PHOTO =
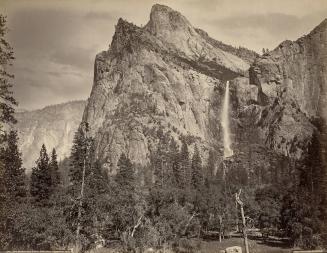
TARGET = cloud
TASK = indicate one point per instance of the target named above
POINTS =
(272, 22)
(256, 31)
(80, 58)
(100, 15)
(41, 82)
(55, 53)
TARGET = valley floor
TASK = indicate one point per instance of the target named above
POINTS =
(214, 246)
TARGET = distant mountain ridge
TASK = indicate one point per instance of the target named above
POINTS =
(52, 125)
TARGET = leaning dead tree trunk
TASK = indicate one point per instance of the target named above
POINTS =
(189, 222)
(237, 197)
(139, 222)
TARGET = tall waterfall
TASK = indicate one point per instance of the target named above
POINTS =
(225, 124)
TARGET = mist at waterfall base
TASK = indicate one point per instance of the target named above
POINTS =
(225, 124)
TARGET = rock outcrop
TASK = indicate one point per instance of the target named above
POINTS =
(168, 75)
(292, 81)
(53, 126)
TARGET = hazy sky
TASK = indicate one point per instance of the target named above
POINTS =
(55, 42)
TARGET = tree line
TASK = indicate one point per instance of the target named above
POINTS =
(175, 196)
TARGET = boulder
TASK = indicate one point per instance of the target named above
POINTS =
(234, 249)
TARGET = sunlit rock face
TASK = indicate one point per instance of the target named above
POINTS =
(164, 75)
(292, 81)
(169, 75)
(53, 126)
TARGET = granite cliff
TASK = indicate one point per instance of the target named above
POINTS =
(53, 126)
(172, 76)
(291, 82)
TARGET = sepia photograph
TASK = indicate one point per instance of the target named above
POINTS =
(163, 126)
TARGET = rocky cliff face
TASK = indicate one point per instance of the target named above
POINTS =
(292, 82)
(172, 76)
(53, 126)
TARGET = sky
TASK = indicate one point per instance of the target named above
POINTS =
(55, 41)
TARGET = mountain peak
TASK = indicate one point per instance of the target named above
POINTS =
(160, 8)
(123, 32)
(164, 18)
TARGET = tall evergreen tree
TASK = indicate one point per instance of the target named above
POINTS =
(14, 174)
(303, 210)
(125, 173)
(125, 201)
(12, 188)
(89, 213)
(88, 190)
(197, 187)
(210, 169)
(197, 174)
(160, 159)
(80, 169)
(184, 170)
(173, 157)
(54, 169)
(41, 183)
(7, 101)
(80, 156)
(311, 169)
(7, 109)
(97, 180)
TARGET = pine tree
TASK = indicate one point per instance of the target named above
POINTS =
(12, 186)
(54, 168)
(80, 168)
(41, 183)
(124, 201)
(96, 204)
(7, 104)
(88, 189)
(7, 101)
(210, 170)
(173, 157)
(160, 159)
(197, 176)
(125, 174)
(97, 180)
(81, 156)
(184, 173)
(311, 169)
(197, 188)
(14, 174)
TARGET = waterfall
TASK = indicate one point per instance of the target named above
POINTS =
(225, 124)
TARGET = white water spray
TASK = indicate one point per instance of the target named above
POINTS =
(225, 124)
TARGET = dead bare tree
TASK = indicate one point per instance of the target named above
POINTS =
(238, 200)
(189, 222)
(139, 222)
